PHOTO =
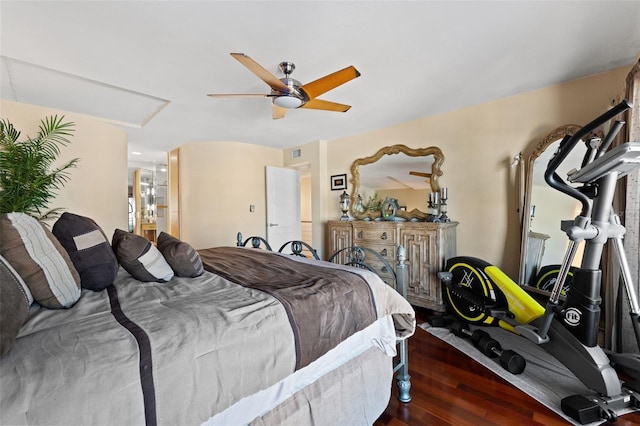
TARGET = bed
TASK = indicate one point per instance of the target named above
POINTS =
(256, 337)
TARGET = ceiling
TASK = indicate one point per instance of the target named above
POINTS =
(148, 65)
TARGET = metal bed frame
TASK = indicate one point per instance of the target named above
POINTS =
(356, 256)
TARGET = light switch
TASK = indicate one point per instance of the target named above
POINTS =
(252, 208)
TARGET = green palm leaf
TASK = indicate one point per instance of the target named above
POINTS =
(27, 180)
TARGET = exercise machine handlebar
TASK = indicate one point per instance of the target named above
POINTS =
(568, 143)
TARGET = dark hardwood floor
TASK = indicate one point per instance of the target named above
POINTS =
(449, 388)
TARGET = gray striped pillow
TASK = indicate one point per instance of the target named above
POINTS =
(140, 258)
(40, 260)
(14, 304)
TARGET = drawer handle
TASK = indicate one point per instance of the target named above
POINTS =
(360, 234)
(384, 270)
(383, 236)
(383, 252)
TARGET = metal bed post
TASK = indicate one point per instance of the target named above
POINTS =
(403, 378)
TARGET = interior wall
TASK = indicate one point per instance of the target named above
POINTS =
(314, 154)
(306, 204)
(218, 183)
(98, 186)
(220, 180)
(479, 144)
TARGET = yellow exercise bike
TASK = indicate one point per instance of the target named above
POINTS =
(481, 294)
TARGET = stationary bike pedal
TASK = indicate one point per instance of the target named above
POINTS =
(441, 321)
(634, 389)
(503, 314)
(581, 409)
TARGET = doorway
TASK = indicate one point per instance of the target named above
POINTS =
(303, 231)
(148, 201)
(283, 205)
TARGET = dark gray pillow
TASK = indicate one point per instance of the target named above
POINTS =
(14, 304)
(140, 258)
(89, 250)
(183, 259)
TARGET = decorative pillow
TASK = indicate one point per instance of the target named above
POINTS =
(14, 304)
(40, 260)
(89, 250)
(140, 258)
(183, 259)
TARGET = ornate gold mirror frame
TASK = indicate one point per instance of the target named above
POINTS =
(436, 172)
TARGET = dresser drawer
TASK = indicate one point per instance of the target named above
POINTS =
(374, 234)
(427, 246)
(385, 271)
(387, 251)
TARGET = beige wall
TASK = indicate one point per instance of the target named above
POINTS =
(98, 186)
(479, 143)
(218, 183)
(314, 156)
(220, 180)
(305, 199)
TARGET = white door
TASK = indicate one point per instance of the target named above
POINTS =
(283, 206)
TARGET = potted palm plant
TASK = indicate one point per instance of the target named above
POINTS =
(27, 180)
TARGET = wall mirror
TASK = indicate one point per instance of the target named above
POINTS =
(406, 174)
(543, 242)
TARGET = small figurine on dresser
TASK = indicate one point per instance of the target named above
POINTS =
(389, 208)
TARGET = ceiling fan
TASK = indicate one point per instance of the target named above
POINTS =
(288, 93)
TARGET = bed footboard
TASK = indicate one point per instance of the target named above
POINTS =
(357, 256)
(402, 367)
(366, 258)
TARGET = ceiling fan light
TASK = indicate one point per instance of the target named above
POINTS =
(287, 101)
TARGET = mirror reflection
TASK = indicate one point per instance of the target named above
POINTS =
(543, 242)
(396, 172)
(147, 202)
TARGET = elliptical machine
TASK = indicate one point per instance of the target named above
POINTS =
(480, 293)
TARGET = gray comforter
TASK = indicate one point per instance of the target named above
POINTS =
(170, 353)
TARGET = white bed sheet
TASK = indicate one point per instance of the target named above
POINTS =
(380, 334)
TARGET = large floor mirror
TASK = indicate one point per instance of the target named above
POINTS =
(543, 242)
(405, 174)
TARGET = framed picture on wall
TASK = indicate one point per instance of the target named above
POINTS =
(338, 182)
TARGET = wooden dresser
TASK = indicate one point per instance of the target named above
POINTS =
(428, 246)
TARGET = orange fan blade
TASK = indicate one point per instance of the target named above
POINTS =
(326, 105)
(331, 81)
(278, 112)
(262, 73)
(427, 175)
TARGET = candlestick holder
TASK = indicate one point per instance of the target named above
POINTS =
(344, 205)
(444, 196)
(433, 208)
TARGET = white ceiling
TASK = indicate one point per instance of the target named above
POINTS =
(148, 65)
